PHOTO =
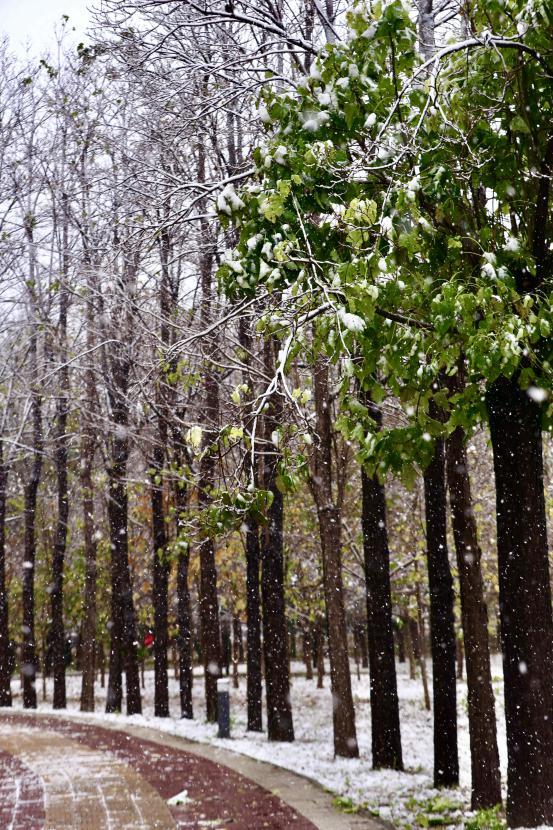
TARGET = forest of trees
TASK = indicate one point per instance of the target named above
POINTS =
(276, 285)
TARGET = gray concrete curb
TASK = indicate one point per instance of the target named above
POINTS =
(302, 794)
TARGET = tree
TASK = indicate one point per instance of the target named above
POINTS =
(385, 726)
(345, 738)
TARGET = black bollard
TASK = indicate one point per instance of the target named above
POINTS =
(223, 706)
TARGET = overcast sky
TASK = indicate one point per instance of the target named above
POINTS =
(31, 22)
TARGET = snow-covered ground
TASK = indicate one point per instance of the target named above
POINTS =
(402, 798)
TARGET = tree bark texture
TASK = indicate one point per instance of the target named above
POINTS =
(524, 602)
(160, 581)
(61, 456)
(5, 656)
(184, 622)
(442, 630)
(254, 674)
(89, 641)
(486, 779)
(275, 631)
(329, 517)
(385, 726)
(28, 651)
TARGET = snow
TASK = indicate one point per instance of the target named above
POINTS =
(511, 244)
(396, 796)
(370, 120)
(351, 321)
(537, 394)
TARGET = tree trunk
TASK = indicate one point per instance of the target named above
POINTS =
(185, 634)
(319, 640)
(308, 653)
(160, 559)
(208, 599)
(5, 656)
(524, 602)
(89, 643)
(236, 638)
(460, 658)
(486, 779)
(160, 582)
(277, 677)
(418, 638)
(254, 675)
(386, 734)
(330, 521)
(253, 637)
(61, 452)
(209, 602)
(400, 637)
(91, 648)
(28, 651)
(56, 596)
(123, 648)
(123, 639)
(184, 623)
(411, 656)
(442, 630)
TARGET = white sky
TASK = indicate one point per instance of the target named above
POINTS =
(31, 23)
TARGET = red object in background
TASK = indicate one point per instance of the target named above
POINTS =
(149, 640)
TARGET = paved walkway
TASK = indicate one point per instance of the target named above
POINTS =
(64, 774)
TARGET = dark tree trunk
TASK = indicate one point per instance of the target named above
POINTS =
(90, 646)
(184, 623)
(123, 645)
(160, 583)
(524, 602)
(28, 646)
(114, 698)
(185, 636)
(308, 654)
(89, 643)
(275, 642)
(100, 657)
(386, 734)
(330, 521)
(277, 680)
(254, 675)
(442, 629)
(460, 658)
(123, 639)
(486, 779)
(92, 651)
(236, 640)
(226, 642)
(208, 599)
(5, 656)
(411, 636)
(418, 638)
(400, 637)
(160, 559)
(61, 453)
(253, 637)
(319, 641)
(28, 651)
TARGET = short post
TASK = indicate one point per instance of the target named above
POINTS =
(223, 706)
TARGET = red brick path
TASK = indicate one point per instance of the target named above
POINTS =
(21, 795)
(217, 793)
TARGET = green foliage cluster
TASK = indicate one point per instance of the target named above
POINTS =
(402, 203)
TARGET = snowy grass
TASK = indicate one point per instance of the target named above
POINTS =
(406, 799)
